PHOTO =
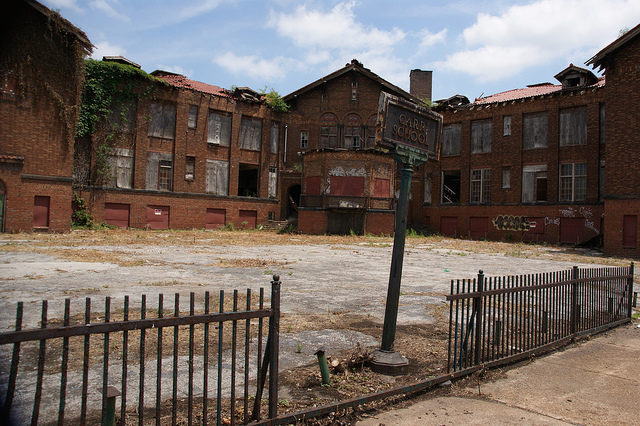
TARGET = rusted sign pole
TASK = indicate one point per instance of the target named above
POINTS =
(412, 134)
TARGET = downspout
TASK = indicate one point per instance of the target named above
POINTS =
(286, 133)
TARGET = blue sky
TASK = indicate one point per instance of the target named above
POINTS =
(473, 46)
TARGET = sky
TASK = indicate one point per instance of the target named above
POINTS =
(473, 47)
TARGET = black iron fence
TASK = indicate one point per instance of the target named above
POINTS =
(495, 320)
(72, 363)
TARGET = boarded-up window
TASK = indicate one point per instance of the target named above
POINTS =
(630, 231)
(41, 211)
(217, 177)
(481, 136)
(273, 182)
(215, 218)
(381, 188)
(481, 186)
(219, 131)
(116, 214)
(573, 182)
(193, 116)
(328, 130)
(371, 131)
(573, 126)
(274, 137)
(123, 117)
(120, 167)
(352, 131)
(534, 183)
(451, 139)
(427, 189)
(250, 133)
(506, 125)
(159, 171)
(534, 130)
(163, 120)
(506, 177)
(312, 185)
(351, 186)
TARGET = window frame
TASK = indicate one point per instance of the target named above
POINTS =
(575, 193)
(571, 114)
(165, 172)
(167, 113)
(485, 127)
(537, 172)
(451, 140)
(528, 125)
(192, 120)
(189, 168)
(304, 139)
(483, 184)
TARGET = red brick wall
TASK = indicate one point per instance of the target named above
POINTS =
(378, 223)
(312, 221)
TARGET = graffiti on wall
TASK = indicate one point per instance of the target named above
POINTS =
(511, 223)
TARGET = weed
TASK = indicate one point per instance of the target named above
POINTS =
(298, 347)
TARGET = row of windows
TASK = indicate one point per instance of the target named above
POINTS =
(163, 124)
(572, 184)
(351, 134)
(572, 131)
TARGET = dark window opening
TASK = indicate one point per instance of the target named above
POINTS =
(573, 82)
(248, 180)
(450, 187)
(190, 168)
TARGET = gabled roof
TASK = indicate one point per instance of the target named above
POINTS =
(600, 59)
(179, 80)
(121, 60)
(48, 13)
(354, 66)
(572, 69)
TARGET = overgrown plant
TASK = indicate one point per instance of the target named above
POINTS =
(81, 217)
(274, 100)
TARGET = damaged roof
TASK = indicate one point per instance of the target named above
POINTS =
(48, 13)
(600, 59)
(179, 80)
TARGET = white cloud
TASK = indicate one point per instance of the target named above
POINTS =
(499, 46)
(198, 9)
(106, 7)
(104, 48)
(270, 69)
(66, 4)
(173, 68)
(428, 39)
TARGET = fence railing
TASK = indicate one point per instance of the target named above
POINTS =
(494, 320)
(346, 202)
(117, 362)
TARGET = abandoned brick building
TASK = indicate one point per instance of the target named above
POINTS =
(41, 60)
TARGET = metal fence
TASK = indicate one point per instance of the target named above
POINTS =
(495, 320)
(74, 368)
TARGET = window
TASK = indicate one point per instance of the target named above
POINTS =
(451, 139)
(534, 130)
(450, 187)
(121, 165)
(193, 116)
(217, 177)
(304, 139)
(354, 90)
(427, 189)
(506, 177)
(123, 117)
(219, 132)
(273, 182)
(164, 175)
(189, 168)
(480, 136)
(573, 182)
(163, 120)
(274, 137)
(506, 125)
(328, 130)
(159, 171)
(248, 180)
(370, 138)
(534, 183)
(573, 126)
(250, 133)
(352, 131)
(481, 186)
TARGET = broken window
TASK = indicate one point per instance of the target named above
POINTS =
(371, 131)
(159, 171)
(480, 136)
(352, 131)
(123, 117)
(121, 165)
(573, 126)
(534, 130)
(534, 183)
(163, 120)
(248, 180)
(328, 130)
(273, 182)
(219, 132)
(506, 125)
(193, 116)
(427, 189)
(304, 139)
(274, 137)
(250, 133)
(573, 182)
(451, 139)
(506, 177)
(480, 186)
(189, 168)
(217, 182)
(450, 187)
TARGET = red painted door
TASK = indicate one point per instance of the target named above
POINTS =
(249, 216)
(536, 229)
(158, 217)
(449, 226)
(630, 231)
(216, 218)
(571, 230)
(40, 211)
(116, 214)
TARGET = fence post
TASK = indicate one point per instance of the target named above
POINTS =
(574, 300)
(274, 327)
(477, 307)
(630, 285)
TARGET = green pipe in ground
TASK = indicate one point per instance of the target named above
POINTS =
(324, 368)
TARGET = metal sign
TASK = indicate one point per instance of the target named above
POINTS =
(403, 125)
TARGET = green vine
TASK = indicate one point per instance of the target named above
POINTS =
(274, 100)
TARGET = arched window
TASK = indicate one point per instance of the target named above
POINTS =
(371, 131)
(328, 130)
(352, 131)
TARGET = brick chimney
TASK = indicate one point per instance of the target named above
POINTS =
(420, 83)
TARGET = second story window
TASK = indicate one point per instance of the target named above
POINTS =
(573, 182)
(193, 116)
(451, 139)
(573, 126)
(250, 133)
(534, 130)
(481, 133)
(328, 130)
(219, 132)
(163, 120)
(352, 131)
(304, 139)
(481, 186)
(534, 183)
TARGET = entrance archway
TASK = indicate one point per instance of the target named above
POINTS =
(293, 202)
